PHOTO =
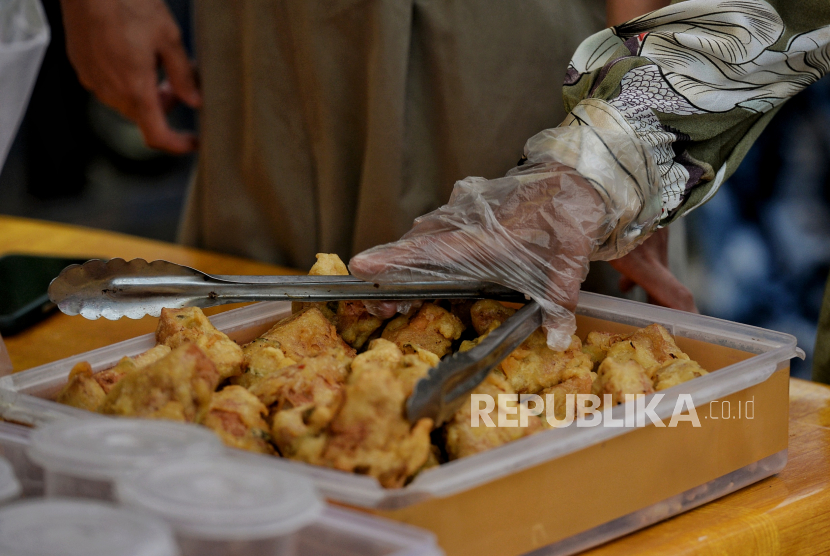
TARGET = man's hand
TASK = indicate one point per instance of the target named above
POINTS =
(117, 48)
(648, 267)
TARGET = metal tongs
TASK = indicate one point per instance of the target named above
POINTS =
(118, 288)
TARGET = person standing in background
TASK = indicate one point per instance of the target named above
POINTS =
(330, 126)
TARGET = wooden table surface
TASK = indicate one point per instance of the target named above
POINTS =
(786, 514)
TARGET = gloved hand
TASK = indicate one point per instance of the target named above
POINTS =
(580, 193)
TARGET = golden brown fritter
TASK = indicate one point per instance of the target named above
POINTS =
(355, 323)
(262, 358)
(487, 315)
(533, 366)
(237, 417)
(575, 380)
(621, 378)
(370, 434)
(597, 343)
(651, 347)
(303, 399)
(408, 368)
(87, 390)
(432, 328)
(462, 439)
(82, 390)
(190, 325)
(352, 320)
(177, 387)
(676, 372)
(307, 334)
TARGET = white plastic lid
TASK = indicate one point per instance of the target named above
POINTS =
(223, 499)
(103, 449)
(9, 485)
(81, 528)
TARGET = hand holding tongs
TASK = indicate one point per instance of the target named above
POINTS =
(117, 288)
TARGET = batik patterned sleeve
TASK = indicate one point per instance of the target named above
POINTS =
(698, 81)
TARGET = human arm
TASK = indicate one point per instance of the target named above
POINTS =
(117, 48)
(696, 81)
(620, 11)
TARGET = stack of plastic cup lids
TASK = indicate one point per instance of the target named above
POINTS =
(54, 527)
(9, 485)
(83, 457)
(218, 503)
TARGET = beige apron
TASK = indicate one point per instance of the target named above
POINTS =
(328, 126)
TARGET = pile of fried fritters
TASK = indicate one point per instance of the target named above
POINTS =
(328, 385)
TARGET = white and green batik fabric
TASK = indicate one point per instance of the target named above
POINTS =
(698, 81)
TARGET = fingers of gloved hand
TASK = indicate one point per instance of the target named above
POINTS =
(533, 233)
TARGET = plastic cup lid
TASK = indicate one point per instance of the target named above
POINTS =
(81, 528)
(102, 449)
(9, 485)
(223, 499)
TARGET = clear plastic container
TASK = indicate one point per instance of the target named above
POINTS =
(224, 507)
(82, 458)
(14, 440)
(748, 363)
(339, 532)
(81, 528)
(9, 485)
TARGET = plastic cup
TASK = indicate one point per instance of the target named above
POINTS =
(52, 527)
(10, 487)
(225, 507)
(82, 458)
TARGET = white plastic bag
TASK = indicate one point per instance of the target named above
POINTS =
(24, 35)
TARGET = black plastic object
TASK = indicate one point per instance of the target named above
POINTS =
(24, 280)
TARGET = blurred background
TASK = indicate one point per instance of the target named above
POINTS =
(759, 251)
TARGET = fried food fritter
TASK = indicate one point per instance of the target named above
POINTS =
(328, 264)
(619, 378)
(370, 434)
(432, 328)
(597, 343)
(462, 439)
(307, 334)
(178, 387)
(82, 390)
(352, 320)
(237, 417)
(533, 366)
(355, 323)
(487, 315)
(651, 347)
(87, 390)
(303, 399)
(262, 358)
(575, 380)
(676, 372)
(190, 325)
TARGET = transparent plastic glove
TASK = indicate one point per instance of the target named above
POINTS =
(536, 229)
